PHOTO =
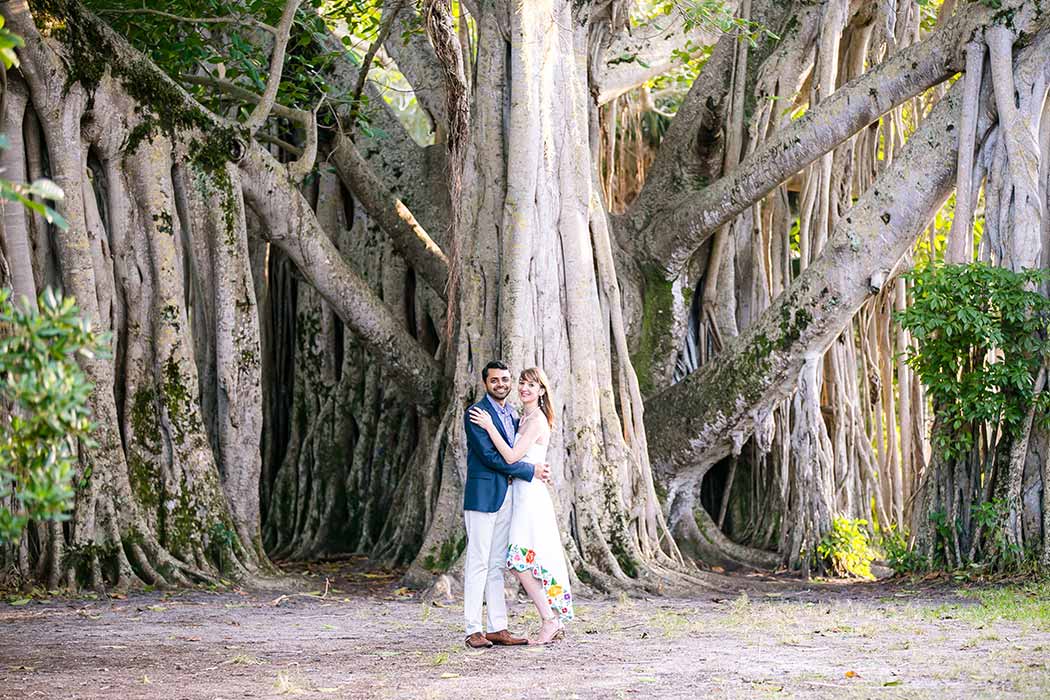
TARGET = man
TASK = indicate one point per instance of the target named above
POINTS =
(487, 509)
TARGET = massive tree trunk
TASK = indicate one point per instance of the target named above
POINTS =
(170, 491)
(539, 288)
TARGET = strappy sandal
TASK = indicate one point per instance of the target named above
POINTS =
(559, 633)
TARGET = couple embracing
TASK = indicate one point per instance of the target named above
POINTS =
(508, 511)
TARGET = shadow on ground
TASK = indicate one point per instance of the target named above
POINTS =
(355, 634)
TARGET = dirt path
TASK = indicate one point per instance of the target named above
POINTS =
(364, 641)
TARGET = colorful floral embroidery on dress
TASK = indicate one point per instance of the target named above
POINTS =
(523, 559)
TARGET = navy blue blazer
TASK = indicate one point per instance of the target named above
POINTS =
(487, 471)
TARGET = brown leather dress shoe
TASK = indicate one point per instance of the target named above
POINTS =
(478, 641)
(505, 639)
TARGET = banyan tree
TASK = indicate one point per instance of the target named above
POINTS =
(308, 225)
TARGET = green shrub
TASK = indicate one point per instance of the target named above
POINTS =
(981, 335)
(962, 316)
(847, 548)
(898, 555)
(43, 407)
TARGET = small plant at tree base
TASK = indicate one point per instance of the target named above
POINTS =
(898, 555)
(847, 548)
(43, 407)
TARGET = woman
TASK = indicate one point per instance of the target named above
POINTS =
(535, 554)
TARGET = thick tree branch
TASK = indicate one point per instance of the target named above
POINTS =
(696, 422)
(692, 148)
(416, 60)
(20, 20)
(409, 238)
(293, 227)
(669, 238)
(960, 238)
(273, 81)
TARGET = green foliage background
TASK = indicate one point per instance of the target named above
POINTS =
(45, 399)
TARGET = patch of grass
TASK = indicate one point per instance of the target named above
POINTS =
(529, 615)
(1027, 603)
(669, 623)
(868, 630)
(741, 605)
(287, 685)
(246, 660)
(762, 687)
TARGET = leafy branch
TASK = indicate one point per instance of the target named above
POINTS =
(981, 336)
(47, 396)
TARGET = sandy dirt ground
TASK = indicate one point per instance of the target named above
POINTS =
(368, 639)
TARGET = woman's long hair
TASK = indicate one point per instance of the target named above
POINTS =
(535, 374)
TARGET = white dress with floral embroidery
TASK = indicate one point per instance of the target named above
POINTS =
(535, 543)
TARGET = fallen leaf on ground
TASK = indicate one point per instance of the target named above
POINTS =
(852, 674)
(450, 675)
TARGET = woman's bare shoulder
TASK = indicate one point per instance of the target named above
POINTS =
(543, 434)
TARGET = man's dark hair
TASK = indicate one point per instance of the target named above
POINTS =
(495, 364)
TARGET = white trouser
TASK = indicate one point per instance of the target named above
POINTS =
(487, 539)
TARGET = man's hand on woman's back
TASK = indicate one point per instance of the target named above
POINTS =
(542, 472)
